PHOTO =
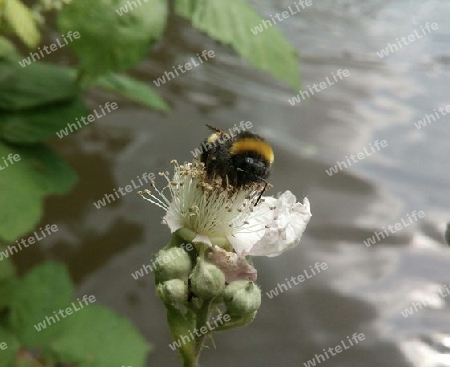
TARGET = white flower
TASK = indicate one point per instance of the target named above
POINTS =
(213, 209)
(285, 221)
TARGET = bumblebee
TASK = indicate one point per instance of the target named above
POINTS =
(240, 159)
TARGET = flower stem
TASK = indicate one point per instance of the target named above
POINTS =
(188, 362)
(201, 320)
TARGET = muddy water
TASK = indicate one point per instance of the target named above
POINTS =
(364, 288)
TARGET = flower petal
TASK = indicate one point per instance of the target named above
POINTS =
(289, 220)
(253, 230)
(244, 241)
(233, 266)
(173, 221)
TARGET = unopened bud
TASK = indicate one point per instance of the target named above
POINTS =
(207, 281)
(172, 263)
(242, 297)
(172, 291)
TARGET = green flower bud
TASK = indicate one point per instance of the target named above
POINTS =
(236, 321)
(207, 280)
(172, 263)
(242, 298)
(172, 291)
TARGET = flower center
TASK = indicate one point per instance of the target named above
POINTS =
(208, 206)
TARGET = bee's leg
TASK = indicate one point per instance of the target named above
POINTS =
(262, 191)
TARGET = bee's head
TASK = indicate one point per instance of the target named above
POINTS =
(252, 157)
(250, 168)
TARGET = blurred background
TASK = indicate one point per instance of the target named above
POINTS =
(364, 288)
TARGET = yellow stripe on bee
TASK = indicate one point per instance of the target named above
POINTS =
(254, 145)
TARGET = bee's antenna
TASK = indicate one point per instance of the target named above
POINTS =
(214, 128)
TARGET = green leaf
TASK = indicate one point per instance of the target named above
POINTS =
(7, 49)
(7, 289)
(51, 173)
(7, 277)
(43, 290)
(22, 21)
(109, 41)
(133, 89)
(230, 22)
(24, 360)
(34, 85)
(12, 346)
(39, 124)
(25, 183)
(98, 337)
(8, 281)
